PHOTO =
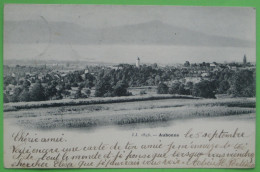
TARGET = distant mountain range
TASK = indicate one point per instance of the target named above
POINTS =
(149, 33)
(31, 62)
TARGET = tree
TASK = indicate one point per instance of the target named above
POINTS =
(150, 81)
(20, 82)
(78, 93)
(174, 89)
(189, 85)
(242, 84)
(157, 79)
(8, 80)
(89, 80)
(33, 80)
(89, 84)
(178, 88)
(103, 87)
(58, 95)
(77, 77)
(66, 93)
(162, 88)
(37, 92)
(187, 64)
(81, 85)
(182, 90)
(87, 92)
(6, 100)
(67, 86)
(15, 96)
(24, 96)
(14, 82)
(26, 84)
(223, 87)
(120, 89)
(204, 89)
(50, 91)
(74, 84)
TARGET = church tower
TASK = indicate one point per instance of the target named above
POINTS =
(244, 60)
(138, 62)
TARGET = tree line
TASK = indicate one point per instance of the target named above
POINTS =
(115, 82)
(240, 83)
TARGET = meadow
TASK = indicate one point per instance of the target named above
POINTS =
(93, 115)
(89, 101)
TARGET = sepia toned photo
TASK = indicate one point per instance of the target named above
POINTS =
(121, 86)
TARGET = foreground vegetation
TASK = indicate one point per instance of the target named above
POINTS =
(71, 102)
(153, 111)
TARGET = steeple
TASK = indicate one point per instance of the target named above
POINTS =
(244, 60)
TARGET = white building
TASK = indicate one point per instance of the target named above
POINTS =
(138, 62)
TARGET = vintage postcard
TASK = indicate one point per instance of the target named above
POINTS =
(121, 86)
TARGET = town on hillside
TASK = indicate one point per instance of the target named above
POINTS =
(69, 80)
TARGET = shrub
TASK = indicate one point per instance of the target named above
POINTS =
(162, 89)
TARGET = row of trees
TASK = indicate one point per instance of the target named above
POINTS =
(110, 82)
(23, 94)
(204, 89)
(238, 84)
(40, 93)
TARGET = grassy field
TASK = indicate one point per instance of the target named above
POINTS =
(89, 101)
(135, 112)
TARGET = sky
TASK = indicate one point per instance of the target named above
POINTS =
(120, 34)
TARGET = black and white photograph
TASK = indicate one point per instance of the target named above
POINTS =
(129, 86)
